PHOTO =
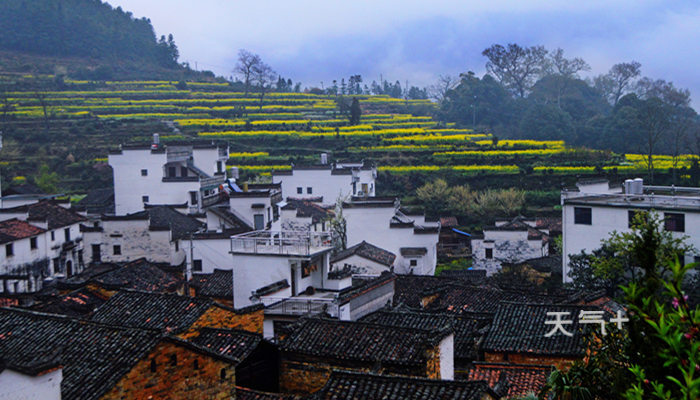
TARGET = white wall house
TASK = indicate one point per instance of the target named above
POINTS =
(380, 222)
(329, 181)
(364, 259)
(508, 242)
(24, 262)
(589, 218)
(153, 234)
(19, 384)
(167, 174)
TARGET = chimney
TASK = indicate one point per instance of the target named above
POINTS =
(156, 142)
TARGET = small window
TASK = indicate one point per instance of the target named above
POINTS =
(197, 265)
(177, 246)
(195, 364)
(223, 373)
(183, 171)
(489, 253)
(309, 190)
(173, 360)
(300, 190)
(145, 199)
(259, 222)
(172, 172)
(582, 216)
(144, 172)
(9, 250)
(674, 222)
(117, 250)
(193, 198)
(66, 234)
(219, 167)
(32, 243)
(414, 263)
(153, 365)
(53, 236)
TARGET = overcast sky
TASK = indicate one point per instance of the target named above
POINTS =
(415, 41)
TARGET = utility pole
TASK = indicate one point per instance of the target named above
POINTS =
(474, 114)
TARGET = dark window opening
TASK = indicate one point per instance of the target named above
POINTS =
(300, 190)
(145, 199)
(32, 243)
(183, 171)
(153, 365)
(489, 253)
(582, 216)
(223, 373)
(9, 250)
(259, 222)
(172, 172)
(144, 172)
(195, 364)
(197, 265)
(414, 263)
(66, 233)
(173, 360)
(219, 166)
(53, 235)
(117, 250)
(177, 246)
(674, 222)
(309, 190)
(193, 198)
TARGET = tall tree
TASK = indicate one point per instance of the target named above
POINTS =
(444, 84)
(263, 76)
(355, 111)
(565, 70)
(654, 120)
(618, 80)
(246, 66)
(516, 67)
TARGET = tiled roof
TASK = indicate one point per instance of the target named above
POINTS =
(168, 312)
(474, 276)
(448, 222)
(55, 215)
(361, 286)
(94, 357)
(409, 288)
(462, 298)
(521, 328)
(309, 209)
(543, 264)
(354, 385)
(165, 217)
(98, 201)
(360, 341)
(78, 304)
(467, 327)
(249, 394)
(218, 284)
(15, 229)
(413, 251)
(368, 251)
(137, 275)
(521, 379)
(236, 344)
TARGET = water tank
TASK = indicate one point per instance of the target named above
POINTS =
(638, 186)
(628, 186)
(324, 158)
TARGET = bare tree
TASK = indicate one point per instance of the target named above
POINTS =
(444, 84)
(517, 68)
(565, 70)
(245, 67)
(618, 80)
(263, 76)
(654, 119)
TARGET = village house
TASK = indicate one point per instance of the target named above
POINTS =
(255, 205)
(173, 173)
(356, 385)
(510, 242)
(132, 363)
(42, 241)
(329, 181)
(312, 347)
(592, 211)
(364, 259)
(305, 215)
(154, 234)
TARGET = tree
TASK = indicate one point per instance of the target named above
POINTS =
(618, 80)
(516, 67)
(47, 180)
(444, 84)
(564, 70)
(245, 67)
(434, 196)
(263, 76)
(339, 226)
(355, 111)
(654, 120)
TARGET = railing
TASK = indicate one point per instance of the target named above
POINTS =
(174, 156)
(300, 306)
(281, 242)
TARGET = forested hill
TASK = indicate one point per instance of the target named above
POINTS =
(116, 44)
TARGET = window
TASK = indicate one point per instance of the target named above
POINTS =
(153, 365)
(32, 243)
(177, 246)
(66, 234)
(300, 190)
(309, 190)
(489, 253)
(674, 222)
(53, 236)
(195, 364)
(96, 256)
(259, 222)
(582, 216)
(117, 250)
(144, 172)
(144, 199)
(173, 360)
(9, 250)
(193, 198)
(197, 265)
(223, 374)
(172, 172)
(183, 171)
(219, 168)
(414, 263)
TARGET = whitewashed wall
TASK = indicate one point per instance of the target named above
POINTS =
(18, 386)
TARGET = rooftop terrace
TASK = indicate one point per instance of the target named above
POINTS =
(294, 243)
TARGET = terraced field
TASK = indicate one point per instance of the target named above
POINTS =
(72, 127)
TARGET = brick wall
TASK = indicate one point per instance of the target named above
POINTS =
(559, 362)
(432, 369)
(219, 317)
(303, 377)
(177, 378)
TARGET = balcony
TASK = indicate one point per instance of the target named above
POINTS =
(293, 243)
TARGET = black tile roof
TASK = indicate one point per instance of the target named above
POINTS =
(218, 284)
(474, 276)
(94, 356)
(169, 312)
(362, 286)
(233, 343)
(368, 251)
(249, 394)
(460, 298)
(79, 303)
(546, 264)
(98, 201)
(139, 275)
(345, 340)
(353, 385)
(309, 209)
(48, 211)
(467, 327)
(521, 328)
(166, 217)
(409, 288)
